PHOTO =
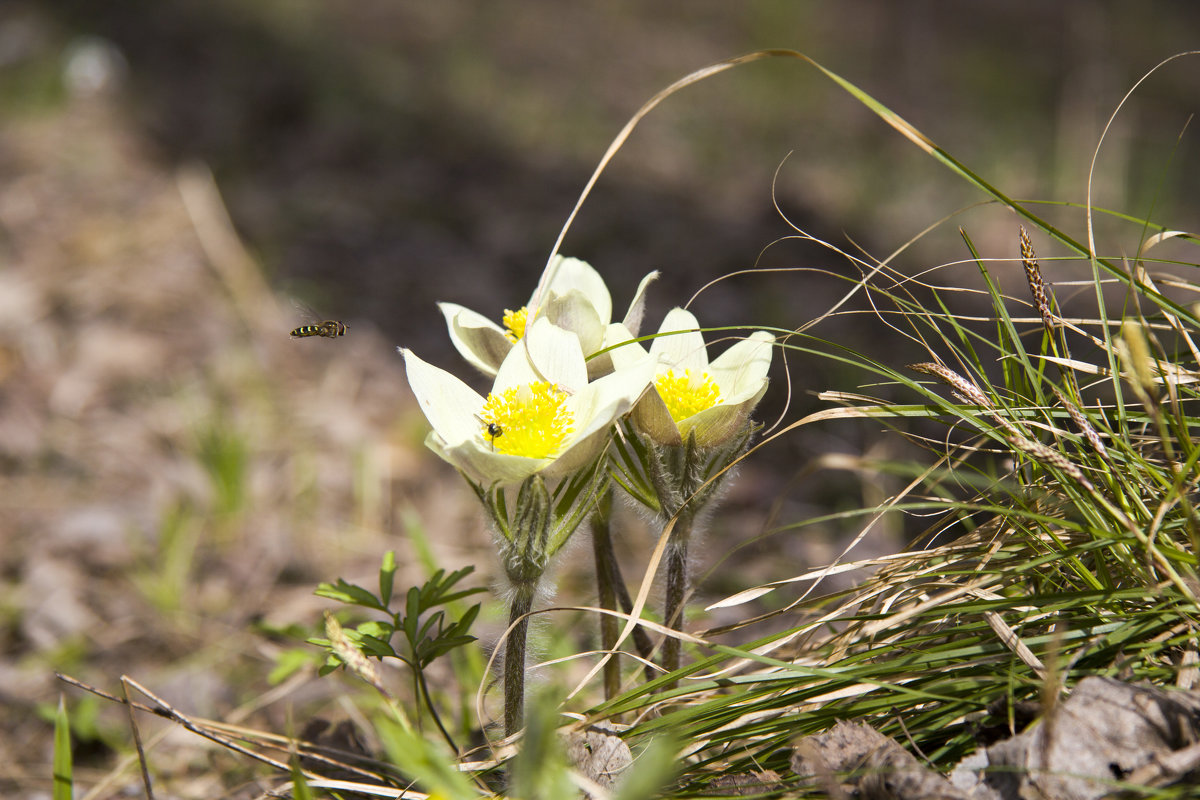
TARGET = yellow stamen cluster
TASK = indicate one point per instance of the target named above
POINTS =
(531, 420)
(514, 323)
(687, 393)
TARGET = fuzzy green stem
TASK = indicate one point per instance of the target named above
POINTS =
(514, 656)
(677, 588)
(606, 578)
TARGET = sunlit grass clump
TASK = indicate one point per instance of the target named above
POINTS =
(1062, 538)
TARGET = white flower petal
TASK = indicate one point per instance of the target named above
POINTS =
(682, 346)
(741, 371)
(574, 312)
(609, 397)
(596, 408)
(637, 307)
(479, 340)
(579, 455)
(567, 274)
(652, 417)
(484, 465)
(554, 355)
(628, 352)
(718, 424)
(516, 369)
(449, 404)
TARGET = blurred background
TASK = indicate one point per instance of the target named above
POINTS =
(175, 471)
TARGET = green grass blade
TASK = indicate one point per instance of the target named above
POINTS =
(63, 775)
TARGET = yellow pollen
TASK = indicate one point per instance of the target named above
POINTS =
(514, 323)
(531, 420)
(687, 393)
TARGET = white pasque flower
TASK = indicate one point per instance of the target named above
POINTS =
(546, 418)
(574, 297)
(713, 400)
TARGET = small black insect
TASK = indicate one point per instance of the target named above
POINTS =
(494, 432)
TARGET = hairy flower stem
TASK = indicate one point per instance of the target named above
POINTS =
(606, 586)
(677, 588)
(523, 553)
(677, 474)
(519, 607)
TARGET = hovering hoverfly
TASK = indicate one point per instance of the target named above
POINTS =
(329, 328)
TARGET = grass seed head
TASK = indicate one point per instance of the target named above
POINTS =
(968, 391)
(1033, 274)
(1082, 423)
(1049, 457)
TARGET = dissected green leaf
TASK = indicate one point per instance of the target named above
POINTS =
(349, 593)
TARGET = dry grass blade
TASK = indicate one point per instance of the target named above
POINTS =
(224, 734)
(1012, 641)
(137, 740)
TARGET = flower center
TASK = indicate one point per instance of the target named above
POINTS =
(514, 323)
(687, 393)
(531, 420)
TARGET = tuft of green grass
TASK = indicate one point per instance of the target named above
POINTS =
(166, 573)
(224, 453)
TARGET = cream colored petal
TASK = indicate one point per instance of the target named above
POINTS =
(572, 274)
(600, 361)
(625, 352)
(606, 398)
(596, 409)
(574, 312)
(652, 418)
(449, 404)
(484, 465)
(741, 371)
(637, 308)
(609, 360)
(480, 341)
(579, 455)
(716, 425)
(680, 344)
(598, 366)
(516, 369)
(554, 355)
